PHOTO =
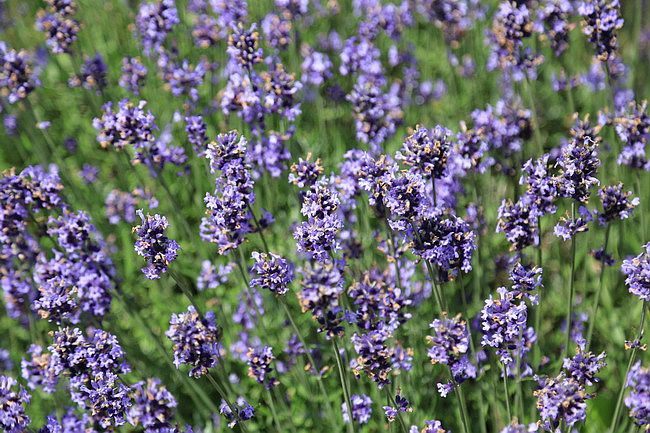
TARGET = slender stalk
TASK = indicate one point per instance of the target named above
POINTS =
(269, 400)
(538, 310)
(536, 133)
(619, 400)
(569, 316)
(344, 386)
(308, 355)
(224, 397)
(177, 206)
(391, 400)
(641, 210)
(505, 391)
(594, 308)
(186, 291)
(259, 228)
(463, 407)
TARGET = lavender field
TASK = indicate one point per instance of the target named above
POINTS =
(409, 216)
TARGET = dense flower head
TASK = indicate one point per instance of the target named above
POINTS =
(526, 280)
(405, 199)
(107, 398)
(427, 150)
(450, 341)
(195, 340)
(153, 406)
(584, 366)
(17, 76)
(617, 204)
(205, 31)
(447, 241)
(259, 365)
(322, 286)
(60, 30)
(454, 17)
(182, 78)
(281, 88)
(360, 54)
(153, 244)
(305, 172)
(541, 186)
(243, 46)
(197, 135)
(378, 301)
(120, 206)
(579, 161)
(154, 21)
(273, 272)
(601, 20)
(92, 75)
(133, 75)
(212, 277)
(637, 272)
(228, 147)
(561, 400)
(361, 409)
(638, 381)
(13, 399)
(518, 221)
(567, 226)
(433, 426)
(277, 30)
(375, 355)
(503, 321)
(129, 125)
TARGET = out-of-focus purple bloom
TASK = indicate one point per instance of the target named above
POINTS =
(92, 75)
(280, 89)
(433, 426)
(154, 22)
(244, 412)
(153, 407)
(206, 31)
(273, 272)
(316, 68)
(129, 125)
(195, 340)
(133, 75)
(13, 398)
(637, 272)
(553, 20)
(277, 30)
(37, 370)
(305, 173)
(633, 128)
(361, 409)
(197, 135)
(601, 20)
(153, 244)
(120, 206)
(60, 30)
(182, 79)
(17, 76)
(454, 17)
(70, 423)
(210, 277)
(89, 173)
(5, 361)
(638, 380)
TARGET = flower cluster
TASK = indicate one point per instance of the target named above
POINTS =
(13, 399)
(273, 272)
(361, 409)
(602, 18)
(638, 380)
(58, 24)
(637, 272)
(153, 244)
(259, 365)
(17, 76)
(153, 406)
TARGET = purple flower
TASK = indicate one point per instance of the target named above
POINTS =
(616, 203)
(195, 340)
(89, 173)
(638, 380)
(133, 74)
(13, 399)
(210, 277)
(92, 75)
(280, 89)
(273, 272)
(277, 30)
(561, 400)
(553, 19)
(541, 187)
(120, 206)
(403, 405)
(152, 244)
(427, 151)
(305, 173)
(579, 162)
(182, 79)
(197, 136)
(322, 286)
(433, 426)
(154, 22)
(316, 68)
(637, 272)
(503, 322)
(37, 370)
(17, 76)
(259, 366)
(526, 281)
(244, 412)
(153, 407)
(374, 355)
(601, 20)
(129, 125)
(584, 366)
(518, 221)
(60, 30)
(361, 409)
(243, 46)
(567, 227)
(633, 128)
(70, 423)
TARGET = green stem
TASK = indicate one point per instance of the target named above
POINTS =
(399, 415)
(594, 309)
(505, 391)
(619, 400)
(344, 386)
(463, 407)
(569, 316)
(269, 400)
